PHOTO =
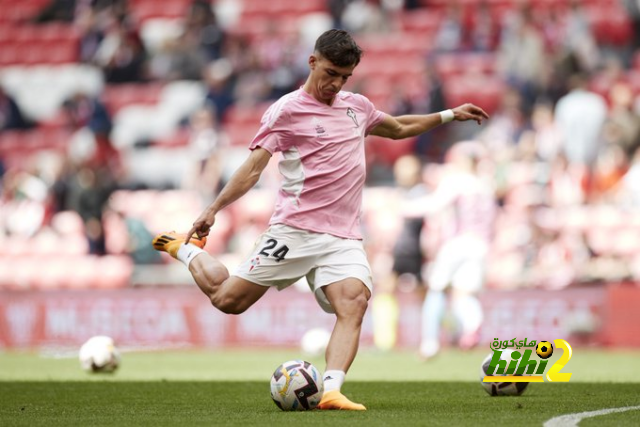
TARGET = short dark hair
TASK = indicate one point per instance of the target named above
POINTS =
(338, 47)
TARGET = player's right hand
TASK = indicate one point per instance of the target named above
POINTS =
(202, 225)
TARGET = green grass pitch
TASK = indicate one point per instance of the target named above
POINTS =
(214, 388)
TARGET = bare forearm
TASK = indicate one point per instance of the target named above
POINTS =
(240, 183)
(414, 125)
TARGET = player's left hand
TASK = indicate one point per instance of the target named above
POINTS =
(469, 112)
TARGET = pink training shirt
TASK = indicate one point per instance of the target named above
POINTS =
(322, 162)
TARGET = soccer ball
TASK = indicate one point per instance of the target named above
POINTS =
(500, 388)
(314, 342)
(544, 349)
(99, 354)
(296, 386)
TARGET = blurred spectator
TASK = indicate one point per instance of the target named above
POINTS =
(129, 235)
(220, 86)
(521, 56)
(121, 54)
(11, 118)
(628, 193)
(57, 10)
(178, 59)
(507, 124)
(251, 83)
(622, 127)
(201, 26)
(435, 100)
(336, 9)
(277, 55)
(481, 29)
(88, 192)
(567, 183)
(609, 168)
(206, 143)
(633, 10)
(543, 134)
(22, 203)
(579, 41)
(85, 111)
(365, 16)
(449, 37)
(91, 122)
(580, 116)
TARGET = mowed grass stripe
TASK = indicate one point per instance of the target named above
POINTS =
(167, 403)
(259, 364)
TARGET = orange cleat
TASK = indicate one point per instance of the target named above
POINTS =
(170, 242)
(332, 400)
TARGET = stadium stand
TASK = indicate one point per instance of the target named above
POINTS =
(42, 65)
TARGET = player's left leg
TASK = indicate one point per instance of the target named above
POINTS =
(349, 299)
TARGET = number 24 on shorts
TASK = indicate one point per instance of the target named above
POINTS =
(278, 254)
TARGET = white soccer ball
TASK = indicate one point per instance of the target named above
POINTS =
(99, 354)
(500, 388)
(296, 385)
(314, 342)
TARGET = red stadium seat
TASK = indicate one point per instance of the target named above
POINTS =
(421, 21)
(483, 91)
(241, 135)
(245, 115)
(112, 272)
(118, 96)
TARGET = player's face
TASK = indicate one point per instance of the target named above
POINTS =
(327, 79)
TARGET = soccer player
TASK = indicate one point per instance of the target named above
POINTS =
(459, 263)
(315, 229)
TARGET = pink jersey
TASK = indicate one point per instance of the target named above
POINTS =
(322, 162)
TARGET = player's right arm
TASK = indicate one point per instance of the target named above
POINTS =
(242, 181)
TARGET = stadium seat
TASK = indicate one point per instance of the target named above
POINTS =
(421, 22)
(82, 271)
(116, 97)
(241, 135)
(150, 9)
(112, 272)
(239, 115)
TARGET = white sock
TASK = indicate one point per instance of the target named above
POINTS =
(186, 253)
(333, 380)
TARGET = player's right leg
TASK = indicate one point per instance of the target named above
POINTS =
(348, 298)
(229, 294)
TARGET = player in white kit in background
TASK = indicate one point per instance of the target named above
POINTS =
(315, 229)
(459, 264)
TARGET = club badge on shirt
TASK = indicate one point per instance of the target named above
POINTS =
(352, 114)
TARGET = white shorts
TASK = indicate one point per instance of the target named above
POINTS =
(284, 254)
(460, 263)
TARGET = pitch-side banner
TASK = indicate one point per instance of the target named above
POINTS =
(165, 318)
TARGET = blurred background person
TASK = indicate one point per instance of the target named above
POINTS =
(407, 256)
(580, 116)
(11, 117)
(459, 265)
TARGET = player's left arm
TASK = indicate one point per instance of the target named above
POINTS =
(415, 124)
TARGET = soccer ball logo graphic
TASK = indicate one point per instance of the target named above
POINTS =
(544, 349)
(296, 386)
